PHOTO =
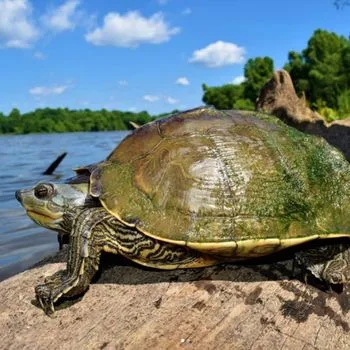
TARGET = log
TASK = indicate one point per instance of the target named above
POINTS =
(52, 167)
(245, 306)
(134, 125)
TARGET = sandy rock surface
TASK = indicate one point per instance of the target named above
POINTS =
(223, 307)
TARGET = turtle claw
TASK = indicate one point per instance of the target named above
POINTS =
(45, 298)
(54, 287)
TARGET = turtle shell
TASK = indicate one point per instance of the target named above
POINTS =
(227, 183)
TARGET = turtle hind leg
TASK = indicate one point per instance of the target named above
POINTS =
(328, 263)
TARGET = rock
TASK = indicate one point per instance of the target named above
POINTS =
(278, 97)
(244, 306)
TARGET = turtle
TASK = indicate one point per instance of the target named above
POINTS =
(199, 188)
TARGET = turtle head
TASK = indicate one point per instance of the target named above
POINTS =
(54, 206)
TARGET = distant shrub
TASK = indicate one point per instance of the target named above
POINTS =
(244, 104)
(327, 113)
(344, 104)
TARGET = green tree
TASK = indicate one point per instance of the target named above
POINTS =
(15, 121)
(299, 71)
(222, 97)
(345, 65)
(324, 58)
(322, 69)
(344, 104)
(3, 124)
(15, 114)
(257, 72)
(244, 104)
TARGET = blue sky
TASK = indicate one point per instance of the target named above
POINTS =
(144, 55)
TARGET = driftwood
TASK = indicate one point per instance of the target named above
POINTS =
(52, 167)
(223, 307)
(134, 125)
(279, 98)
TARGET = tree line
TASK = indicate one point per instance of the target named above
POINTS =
(48, 120)
(321, 72)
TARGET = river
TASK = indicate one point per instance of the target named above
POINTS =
(23, 159)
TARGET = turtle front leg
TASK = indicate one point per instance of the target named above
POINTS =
(83, 260)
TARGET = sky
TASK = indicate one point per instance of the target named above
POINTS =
(152, 55)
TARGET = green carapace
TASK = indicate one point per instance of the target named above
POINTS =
(196, 189)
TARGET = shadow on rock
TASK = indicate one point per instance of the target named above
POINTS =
(307, 299)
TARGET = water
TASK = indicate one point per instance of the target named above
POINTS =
(23, 158)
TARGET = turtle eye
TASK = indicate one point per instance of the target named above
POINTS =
(43, 191)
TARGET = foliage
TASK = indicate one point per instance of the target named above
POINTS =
(298, 71)
(222, 97)
(244, 104)
(256, 72)
(66, 120)
(322, 69)
(321, 72)
(327, 113)
(344, 104)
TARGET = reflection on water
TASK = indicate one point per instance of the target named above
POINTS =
(23, 158)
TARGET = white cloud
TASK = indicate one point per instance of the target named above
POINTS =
(122, 83)
(131, 30)
(64, 17)
(151, 98)
(46, 90)
(219, 54)
(182, 81)
(187, 11)
(171, 100)
(39, 55)
(16, 28)
(238, 80)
